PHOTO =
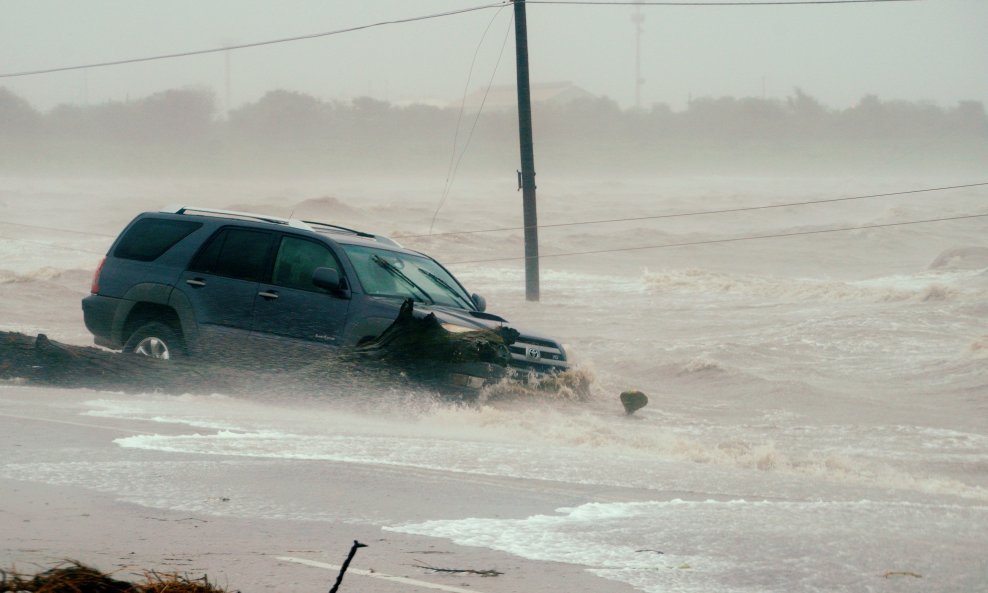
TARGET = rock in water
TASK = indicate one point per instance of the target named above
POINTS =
(633, 400)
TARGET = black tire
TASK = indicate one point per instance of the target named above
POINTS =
(156, 340)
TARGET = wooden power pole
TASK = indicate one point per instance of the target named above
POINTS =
(527, 174)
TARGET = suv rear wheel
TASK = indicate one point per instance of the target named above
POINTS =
(156, 340)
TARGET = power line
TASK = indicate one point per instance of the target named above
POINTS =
(698, 213)
(728, 240)
(585, 222)
(591, 252)
(501, 4)
(760, 3)
(258, 43)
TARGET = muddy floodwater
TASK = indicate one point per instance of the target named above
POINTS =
(818, 416)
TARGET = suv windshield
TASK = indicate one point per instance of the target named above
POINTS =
(383, 272)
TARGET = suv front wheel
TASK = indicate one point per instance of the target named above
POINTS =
(156, 340)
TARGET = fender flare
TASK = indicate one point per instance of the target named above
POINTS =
(157, 294)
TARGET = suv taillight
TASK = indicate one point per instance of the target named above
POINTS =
(95, 286)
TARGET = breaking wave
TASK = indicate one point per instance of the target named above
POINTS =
(701, 365)
(539, 440)
(43, 273)
(979, 348)
(929, 288)
(963, 258)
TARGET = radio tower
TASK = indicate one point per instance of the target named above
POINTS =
(638, 18)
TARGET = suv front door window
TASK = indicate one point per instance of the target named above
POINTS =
(297, 260)
(291, 309)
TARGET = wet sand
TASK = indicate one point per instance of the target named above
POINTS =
(44, 524)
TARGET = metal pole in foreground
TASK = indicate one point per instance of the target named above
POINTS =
(346, 564)
(527, 174)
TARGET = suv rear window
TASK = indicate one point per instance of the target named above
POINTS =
(148, 238)
(235, 253)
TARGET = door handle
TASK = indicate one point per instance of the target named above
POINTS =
(196, 282)
(268, 294)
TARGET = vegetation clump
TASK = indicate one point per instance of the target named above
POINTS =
(74, 577)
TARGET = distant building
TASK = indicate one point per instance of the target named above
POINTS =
(505, 97)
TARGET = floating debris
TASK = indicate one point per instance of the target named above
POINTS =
(483, 573)
(901, 573)
(633, 400)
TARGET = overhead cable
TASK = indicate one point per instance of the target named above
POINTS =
(727, 240)
(257, 43)
(590, 222)
(758, 3)
(698, 213)
(501, 4)
(600, 251)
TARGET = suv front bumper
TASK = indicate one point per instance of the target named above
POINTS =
(537, 355)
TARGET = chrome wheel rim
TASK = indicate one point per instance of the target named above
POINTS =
(153, 347)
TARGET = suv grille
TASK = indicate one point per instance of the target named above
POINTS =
(541, 356)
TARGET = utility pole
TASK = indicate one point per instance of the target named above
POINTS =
(229, 104)
(638, 18)
(527, 173)
(227, 43)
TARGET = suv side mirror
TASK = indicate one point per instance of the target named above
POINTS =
(328, 279)
(479, 301)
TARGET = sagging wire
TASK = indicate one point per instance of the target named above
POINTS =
(697, 213)
(732, 4)
(639, 218)
(726, 240)
(185, 54)
(498, 5)
(454, 162)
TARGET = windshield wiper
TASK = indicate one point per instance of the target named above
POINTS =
(390, 267)
(446, 286)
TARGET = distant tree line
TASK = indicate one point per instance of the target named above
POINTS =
(181, 132)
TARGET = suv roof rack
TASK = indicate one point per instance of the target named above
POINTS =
(236, 214)
(336, 227)
(292, 222)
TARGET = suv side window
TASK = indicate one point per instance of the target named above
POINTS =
(235, 253)
(297, 259)
(148, 238)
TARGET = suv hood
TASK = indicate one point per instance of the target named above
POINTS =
(472, 319)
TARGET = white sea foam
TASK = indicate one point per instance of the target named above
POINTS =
(579, 448)
(734, 545)
(182, 486)
(160, 409)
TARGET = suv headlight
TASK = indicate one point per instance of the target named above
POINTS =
(455, 328)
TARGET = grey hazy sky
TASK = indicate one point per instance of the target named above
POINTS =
(934, 50)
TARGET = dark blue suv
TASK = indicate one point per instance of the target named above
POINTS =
(199, 282)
